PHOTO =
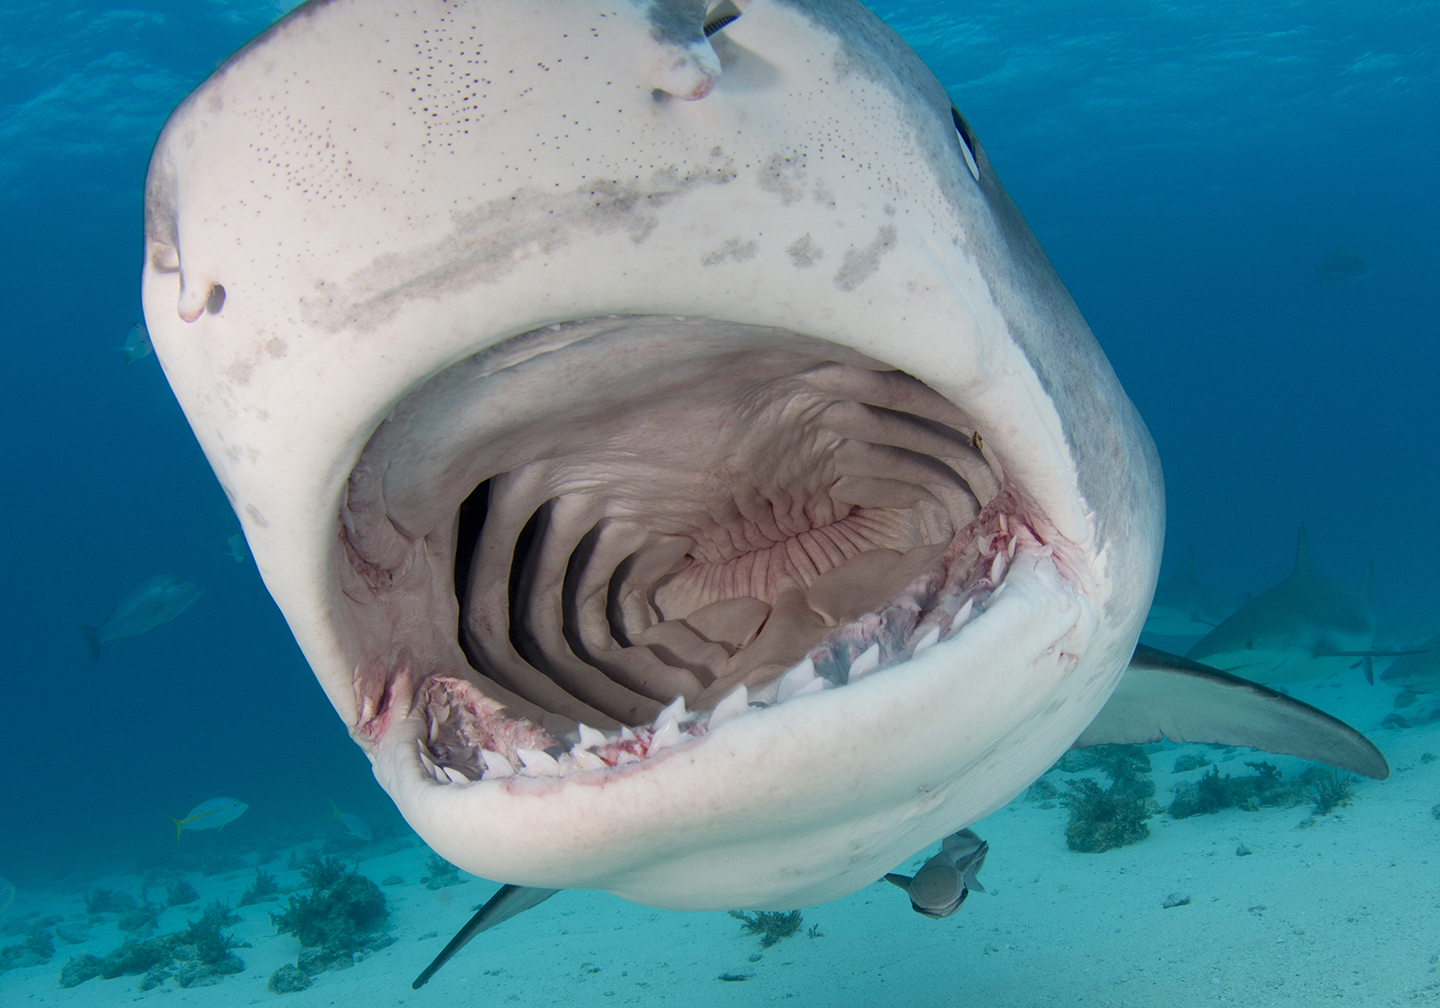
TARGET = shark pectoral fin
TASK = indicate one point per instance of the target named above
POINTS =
(903, 881)
(509, 901)
(1165, 696)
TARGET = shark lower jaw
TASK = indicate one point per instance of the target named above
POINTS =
(708, 615)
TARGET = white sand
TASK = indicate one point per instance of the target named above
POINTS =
(1347, 909)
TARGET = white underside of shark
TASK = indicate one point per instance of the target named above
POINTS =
(800, 521)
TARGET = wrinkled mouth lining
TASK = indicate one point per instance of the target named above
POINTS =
(603, 539)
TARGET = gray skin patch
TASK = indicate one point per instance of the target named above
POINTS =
(484, 246)
(861, 262)
(783, 174)
(677, 22)
(803, 251)
(256, 516)
(734, 249)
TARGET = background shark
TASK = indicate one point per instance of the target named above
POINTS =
(1183, 607)
(1305, 627)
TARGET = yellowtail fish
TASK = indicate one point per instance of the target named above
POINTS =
(356, 826)
(153, 601)
(211, 814)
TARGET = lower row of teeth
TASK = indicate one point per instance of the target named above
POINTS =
(906, 629)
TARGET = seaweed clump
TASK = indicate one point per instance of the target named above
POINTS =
(1266, 787)
(440, 873)
(99, 901)
(770, 926)
(180, 892)
(1102, 819)
(36, 948)
(143, 918)
(263, 890)
(196, 957)
(338, 923)
(1331, 791)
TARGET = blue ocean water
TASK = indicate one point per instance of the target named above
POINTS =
(1187, 166)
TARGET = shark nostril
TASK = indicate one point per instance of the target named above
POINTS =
(216, 300)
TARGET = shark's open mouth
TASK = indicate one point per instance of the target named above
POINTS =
(638, 528)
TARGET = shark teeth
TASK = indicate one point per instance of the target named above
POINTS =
(798, 679)
(496, 765)
(666, 736)
(538, 763)
(586, 760)
(868, 662)
(736, 702)
(590, 737)
(674, 711)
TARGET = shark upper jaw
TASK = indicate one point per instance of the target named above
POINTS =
(606, 509)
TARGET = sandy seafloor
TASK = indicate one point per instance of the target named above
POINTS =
(1343, 908)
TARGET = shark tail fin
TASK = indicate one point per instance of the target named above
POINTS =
(1367, 583)
(1304, 565)
(1186, 569)
(335, 812)
(179, 825)
(92, 640)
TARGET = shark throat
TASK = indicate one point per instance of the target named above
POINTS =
(598, 540)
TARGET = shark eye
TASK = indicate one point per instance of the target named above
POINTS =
(967, 141)
(719, 16)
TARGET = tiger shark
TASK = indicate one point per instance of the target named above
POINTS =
(679, 463)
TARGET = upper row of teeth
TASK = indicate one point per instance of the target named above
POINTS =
(675, 724)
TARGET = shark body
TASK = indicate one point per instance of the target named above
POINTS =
(1305, 627)
(675, 456)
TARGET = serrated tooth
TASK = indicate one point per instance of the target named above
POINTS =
(665, 736)
(795, 679)
(868, 662)
(813, 686)
(736, 702)
(997, 568)
(963, 616)
(425, 759)
(626, 735)
(538, 762)
(496, 765)
(931, 638)
(1010, 549)
(674, 711)
(434, 728)
(454, 776)
(590, 737)
(587, 760)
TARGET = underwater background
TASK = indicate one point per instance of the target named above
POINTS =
(1189, 167)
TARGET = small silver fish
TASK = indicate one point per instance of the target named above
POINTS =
(154, 601)
(210, 814)
(137, 343)
(352, 823)
(943, 882)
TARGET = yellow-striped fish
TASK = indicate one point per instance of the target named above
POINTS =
(211, 814)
